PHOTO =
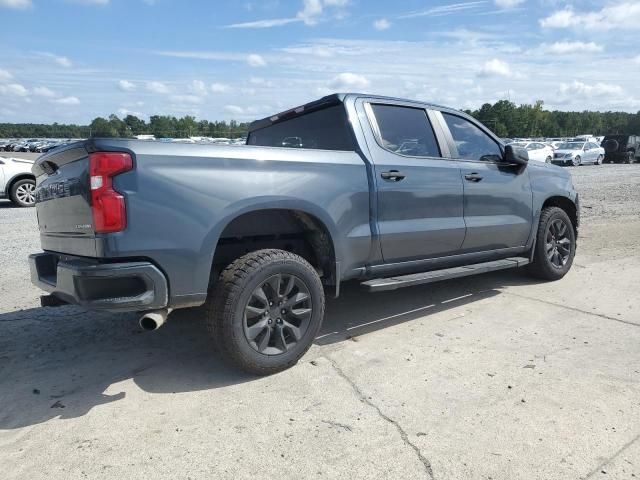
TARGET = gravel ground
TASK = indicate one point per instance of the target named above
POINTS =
(609, 191)
(494, 376)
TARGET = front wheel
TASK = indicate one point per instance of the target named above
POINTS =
(548, 159)
(265, 311)
(555, 245)
(576, 161)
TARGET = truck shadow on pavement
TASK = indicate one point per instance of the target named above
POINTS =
(63, 362)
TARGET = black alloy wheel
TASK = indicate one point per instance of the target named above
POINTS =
(277, 314)
(558, 243)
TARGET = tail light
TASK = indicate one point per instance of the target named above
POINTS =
(107, 204)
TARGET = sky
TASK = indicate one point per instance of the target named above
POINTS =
(69, 61)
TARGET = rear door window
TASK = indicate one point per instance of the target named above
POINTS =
(326, 129)
(472, 143)
(405, 130)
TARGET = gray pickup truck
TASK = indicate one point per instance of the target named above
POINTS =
(387, 192)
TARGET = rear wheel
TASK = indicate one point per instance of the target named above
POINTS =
(555, 245)
(548, 159)
(630, 157)
(599, 160)
(23, 193)
(265, 310)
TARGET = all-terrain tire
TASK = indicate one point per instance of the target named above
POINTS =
(231, 293)
(542, 267)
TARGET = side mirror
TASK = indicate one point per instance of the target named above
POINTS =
(515, 155)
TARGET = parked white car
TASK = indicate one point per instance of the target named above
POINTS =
(578, 153)
(17, 182)
(538, 151)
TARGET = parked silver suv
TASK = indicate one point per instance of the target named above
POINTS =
(17, 182)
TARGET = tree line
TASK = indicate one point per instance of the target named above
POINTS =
(505, 118)
(162, 126)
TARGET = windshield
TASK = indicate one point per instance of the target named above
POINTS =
(571, 146)
(519, 144)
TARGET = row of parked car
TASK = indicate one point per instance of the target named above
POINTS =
(581, 150)
(36, 145)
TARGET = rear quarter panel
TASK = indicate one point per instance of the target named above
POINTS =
(180, 197)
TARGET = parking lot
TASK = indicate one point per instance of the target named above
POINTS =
(488, 377)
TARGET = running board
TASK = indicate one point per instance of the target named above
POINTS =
(393, 283)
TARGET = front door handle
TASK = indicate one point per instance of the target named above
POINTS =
(473, 177)
(393, 175)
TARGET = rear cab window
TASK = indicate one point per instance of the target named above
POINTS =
(405, 130)
(325, 129)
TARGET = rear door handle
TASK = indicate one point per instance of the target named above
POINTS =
(393, 175)
(473, 177)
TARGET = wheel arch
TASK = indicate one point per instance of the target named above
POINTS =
(16, 178)
(566, 204)
(287, 225)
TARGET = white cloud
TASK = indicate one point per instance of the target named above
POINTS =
(348, 81)
(579, 89)
(190, 99)
(637, 59)
(234, 109)
(198, 87)
(219, 87)
(311, 13)
(382, 24)
(619, 16)
(268, 23)
(126, 86)
(445, 10)
(202, 55)
(255, 60)
(59, 59)
(495, 67)
(563, 48)
(5, 75)
(123, 112)
(261, 82)
(315, 50)
(17, 4)
(311, 10)
(63, 61)
(90, 2)
(14, 89)
(157, 87)
(68, 101)
(508, 3)
(44, 92)
(560, 19)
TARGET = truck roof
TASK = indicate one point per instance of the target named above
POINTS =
(324, 102)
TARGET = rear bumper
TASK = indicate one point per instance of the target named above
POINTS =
(127, 286)
(617, 157)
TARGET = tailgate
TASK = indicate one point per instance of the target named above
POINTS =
(63, 201)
